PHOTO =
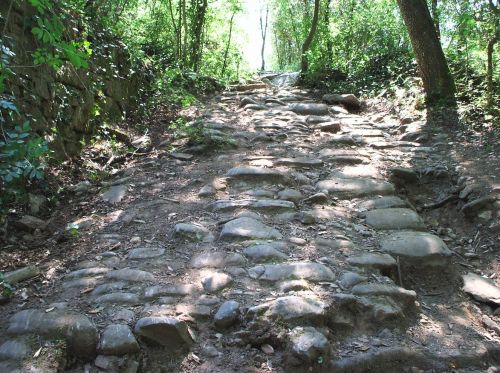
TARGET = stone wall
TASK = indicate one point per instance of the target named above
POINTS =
(61, 106)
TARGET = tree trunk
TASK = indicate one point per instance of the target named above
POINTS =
(198, 23)
(329, 43)
(435, 16)
(436, 76)
(224, 64)
(304, 65)
(263, 32)
(490, 50)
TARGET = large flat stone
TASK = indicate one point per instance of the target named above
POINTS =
(170, 290)
(227, 314)
(306, 270)
(417, 248)
(115, 194)
(376, 290)
(167, 331)
(76, 329)
(254, 204)
(299, 162)
(355, 187)
(257, 174)
(482, 289)
(291, 308)
(308, 344)
(309, 109)
(383, 202)
(372, 260)
(133, 275)
(193, 232)
(394, 219)
(248, 228)
(117, 339)
(264, 253)
(217, 260)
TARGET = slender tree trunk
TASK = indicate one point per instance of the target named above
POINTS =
(329, 43)
(435, 17)
(304, 65)
(263, 33)
(185, 26)
(198, 21)
(224, 64)
(490, 50)
(436, 76)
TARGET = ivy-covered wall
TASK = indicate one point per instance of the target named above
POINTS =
(66, 105)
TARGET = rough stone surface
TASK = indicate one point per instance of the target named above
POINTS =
(287, 271)
(373, 260)
(227, 314)
(176, 290)
(264, 253)
(290, 195)
(118, 298)
(417, 248)
(14, 349)
(349, 279)
(354, 187)
(308, 344)
(217, 260)
(216, 282)
(396, 292)
(117, 339)
(482, 289)
(167, 331)
(133, 275)
(309, 109)
(349, 100)
(248, 228)
(21, 274)
(264, 205)
(291, 308)
(193, 232)
(383, 202)
(115, 194)
(78, 331)
(257, 174)
(394, 219)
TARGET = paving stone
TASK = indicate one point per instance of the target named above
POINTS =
(303, 270)
(299, 162)
(145, 253)
(259, 205)
(342, 244)
(257, 174)
(310, 109)
(78, 331)
(198, 311)
(167, 331)
(247, 228)
(394, 219)
(332, 127)
(383, 202)
(216, 282)
(317, 199)
(133, 275)
(118, 298)
(354, 187)
(175, 290)
(207, 191)
(373, 260)
(14, 349)
(417, 248)
(114, 194)
(108, 288)
(290, 195)
(227, 314)
(193, 232)
(21, 274)
(264, 253)
(349, 279)
(85, 282)
(308, 344)
(86, 272)
(217, 260)
(291, 308)
(482, 289)
(117, 339)
(349, 100)
(293, 285)
(393, 291)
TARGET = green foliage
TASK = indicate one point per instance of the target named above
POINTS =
(6, 289)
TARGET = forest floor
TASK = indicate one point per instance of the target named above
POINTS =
(294, 236)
